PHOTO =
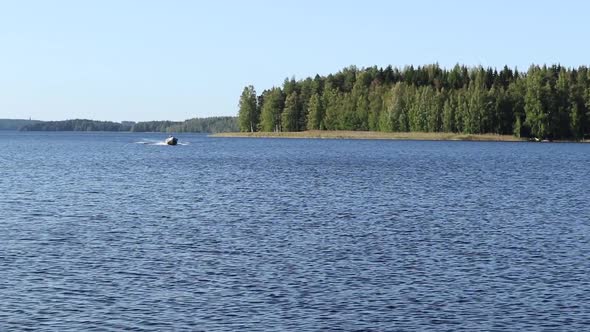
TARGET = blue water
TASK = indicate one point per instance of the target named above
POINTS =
(105, 231)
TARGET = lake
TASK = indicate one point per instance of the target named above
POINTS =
(112, 231)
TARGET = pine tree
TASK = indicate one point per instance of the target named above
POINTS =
(290, 115)
(449, 114)
(376, 106)
(316, 113)
(331, 101)
(435, 111)
(535, 113)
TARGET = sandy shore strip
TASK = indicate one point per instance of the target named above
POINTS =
(337, 134)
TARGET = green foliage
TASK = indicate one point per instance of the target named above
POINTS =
(272, 107)
(545, 102)
(535, 104)
(331, 102)
(77, 125)
(376, 106)
(217, 124)
(16, 124)
(449, 108)
(196, 125)
(154, 126)
(248, 116)
(316, 113)
(290, 115)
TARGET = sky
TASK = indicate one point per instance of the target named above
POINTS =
(141, 60)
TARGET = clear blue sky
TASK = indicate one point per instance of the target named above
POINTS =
(170, 59)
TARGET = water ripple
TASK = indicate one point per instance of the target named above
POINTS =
(266, 235)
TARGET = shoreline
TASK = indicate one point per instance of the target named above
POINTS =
(338, 134)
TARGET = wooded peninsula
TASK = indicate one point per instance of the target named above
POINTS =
(545, 102)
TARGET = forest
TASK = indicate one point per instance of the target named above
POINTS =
(195, 125)
(15, 124)
(77, 125)
(545, 102)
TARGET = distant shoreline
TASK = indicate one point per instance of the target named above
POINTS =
(337, 134)
(194, 125)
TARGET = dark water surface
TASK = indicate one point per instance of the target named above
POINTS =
(99, 232)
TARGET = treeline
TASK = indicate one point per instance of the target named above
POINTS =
(543, 102)
(196, 125)
(153, 126)
(78, 125)
(15, 124)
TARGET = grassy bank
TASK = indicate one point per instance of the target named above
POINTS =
(336, 134)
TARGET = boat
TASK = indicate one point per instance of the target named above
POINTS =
(171, 140)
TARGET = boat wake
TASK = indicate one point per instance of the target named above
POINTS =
(157, 142)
